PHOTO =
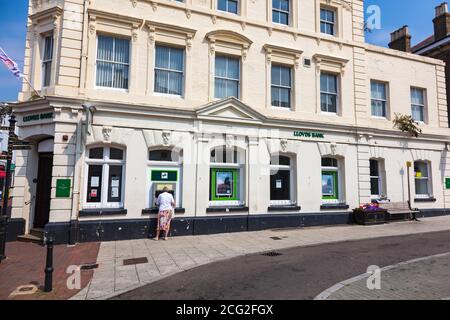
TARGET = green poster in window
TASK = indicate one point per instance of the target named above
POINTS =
(447, 183)
(224, 184)
(63, 188)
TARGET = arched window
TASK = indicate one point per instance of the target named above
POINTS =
(227, 176)
(165, 170)
(105, 168)
(282, 184)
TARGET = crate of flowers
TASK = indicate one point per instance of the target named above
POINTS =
(369, 214)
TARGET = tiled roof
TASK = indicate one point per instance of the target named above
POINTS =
(423, 44)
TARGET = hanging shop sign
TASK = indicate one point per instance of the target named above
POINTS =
(37, 117)
(308, 134)
(447, 183)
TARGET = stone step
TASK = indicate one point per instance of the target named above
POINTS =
(37, 232)
(30, 238)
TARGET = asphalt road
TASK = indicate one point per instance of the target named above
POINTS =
(296, 274)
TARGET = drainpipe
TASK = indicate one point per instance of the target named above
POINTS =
(79, 155)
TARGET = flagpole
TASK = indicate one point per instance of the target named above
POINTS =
(28, 82)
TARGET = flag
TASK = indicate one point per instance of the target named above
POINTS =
(10, 64)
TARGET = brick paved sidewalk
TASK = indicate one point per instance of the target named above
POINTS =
(26, 263)
(421, 279)
(164, 258)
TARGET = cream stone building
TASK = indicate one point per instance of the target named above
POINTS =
(255, 113)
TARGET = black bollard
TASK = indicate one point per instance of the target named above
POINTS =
(49, 267)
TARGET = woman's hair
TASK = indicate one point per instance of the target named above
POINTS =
(165, 189)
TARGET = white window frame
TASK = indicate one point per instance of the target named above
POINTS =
(105, 162)
(340, 183)
(47, 63)
(333, 24)
(97, 60)
(238, 80)
(292, 175)
(282, 11)
(380, 180)
(385, 101)
(226, 11)
(330, 93)
(423, 106)
(171, 70)
(272, 86)
(427, 178)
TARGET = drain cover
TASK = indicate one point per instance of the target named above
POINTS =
(276, 238)
(272, 254)
(128, 262)
(89, 266)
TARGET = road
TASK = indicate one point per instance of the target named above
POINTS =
(297, 274)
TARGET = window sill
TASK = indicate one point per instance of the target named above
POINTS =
(149, 211)
(102, 212)
(227, 209)
(431, 199)
(331, 206)
(284, 208)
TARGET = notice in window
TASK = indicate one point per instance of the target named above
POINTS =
(95, 181)
(115, 182)
(114, 192)
(93, 193)
(279, 184)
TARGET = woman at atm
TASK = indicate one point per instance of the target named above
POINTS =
(166, 205)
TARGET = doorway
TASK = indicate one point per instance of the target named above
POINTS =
(43, 190)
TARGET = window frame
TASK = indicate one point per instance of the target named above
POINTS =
(424, 96)
(238, 80)
(238, 4)
(292, 175)
(336, 172)
(280, 86)
(428, 178)
(337, 94)
(47, 62)
(379, 178)
(280, 11)
(183, 72)
(114, 37)
(385, 101)
(105, 162)
(328, 23)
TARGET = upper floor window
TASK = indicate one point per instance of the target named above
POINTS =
(227, 77)
(113, 61)
(280, 11)
(47, 58)
(228, 6)
(328, 92)
(378, 98)
(418, 104)
(169, 70)
(327, 21)
(281, 86)
(164, 155)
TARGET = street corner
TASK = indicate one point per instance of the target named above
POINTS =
(23, 276)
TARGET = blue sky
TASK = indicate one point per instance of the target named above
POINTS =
(418, 14)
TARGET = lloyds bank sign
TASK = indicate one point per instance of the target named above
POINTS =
(308, 134)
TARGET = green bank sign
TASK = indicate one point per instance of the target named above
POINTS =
(307, 134)
(37, 117)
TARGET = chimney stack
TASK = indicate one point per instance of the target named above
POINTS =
(401, 40)
(441, 22)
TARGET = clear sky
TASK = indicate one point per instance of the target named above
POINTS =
(418, 14)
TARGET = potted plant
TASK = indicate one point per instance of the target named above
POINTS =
(369, 214)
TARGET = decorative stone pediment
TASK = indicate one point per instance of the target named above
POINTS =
(230, 109)
(228, 41)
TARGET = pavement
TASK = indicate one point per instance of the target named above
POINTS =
(157, 260)
(25, 264)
